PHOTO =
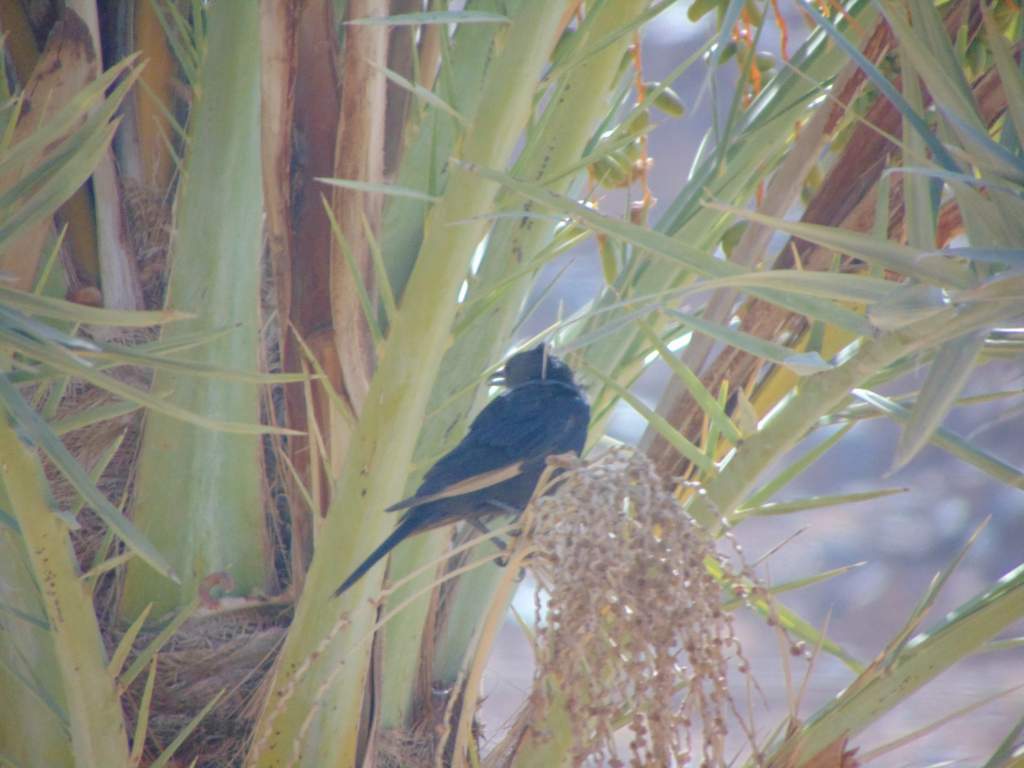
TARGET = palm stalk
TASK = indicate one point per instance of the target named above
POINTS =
(214, 520)
(87, 690)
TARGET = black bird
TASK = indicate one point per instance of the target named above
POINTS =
(496, 467)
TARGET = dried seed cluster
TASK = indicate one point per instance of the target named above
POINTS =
(635, 633)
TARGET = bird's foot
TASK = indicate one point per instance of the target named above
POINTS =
(503, 508)
(501, 562)
(498, 541)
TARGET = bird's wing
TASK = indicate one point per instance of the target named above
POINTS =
(529, 422)
(468, 485)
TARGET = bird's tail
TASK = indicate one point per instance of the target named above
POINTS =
(405, 528)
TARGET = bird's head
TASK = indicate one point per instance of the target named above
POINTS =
(536, 364)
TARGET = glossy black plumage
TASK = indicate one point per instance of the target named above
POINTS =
(495, 468)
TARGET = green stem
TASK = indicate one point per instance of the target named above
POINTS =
(883, 686)
(199, 492)
(98, 735)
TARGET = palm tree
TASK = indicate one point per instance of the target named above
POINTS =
(260, 259)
